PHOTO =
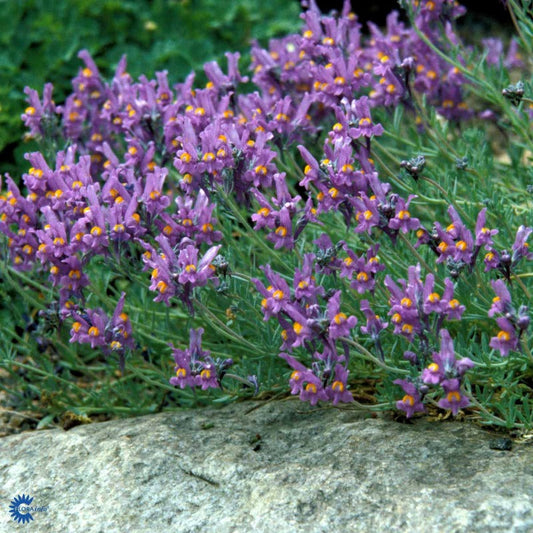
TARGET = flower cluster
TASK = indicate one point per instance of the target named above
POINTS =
(444, 370)
(308, 324)
(94, 327)
(418, 312)
(195, 367)
(513, 323)
(150, 169)
(414, 305)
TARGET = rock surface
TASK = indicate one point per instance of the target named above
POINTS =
(283, 467)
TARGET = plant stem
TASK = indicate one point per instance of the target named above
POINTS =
(369, 357)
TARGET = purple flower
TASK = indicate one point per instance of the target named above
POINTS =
(340, 324)
(265, 216)
(182, 369)
(405, 303)
(311, 170)
(73, 279)
(506, 339)
(432, 301)
(411, 402)
(365, 269)
(300, 374)
(305, 287)
(359, 115)
(37, 114)
(282, 236)
(276, 296)
(162, 279)
(454, 309)
(219, 79)
(456, 228)
(89, 329)
(367, 214)
(454, 399)
(152, 195)
(501, 303)
(483, 234)
(445, 365)
(337, 391)
(96, 238)
(402, 219)
(119, 330)
(313, 391)
(300, 325)
(194, 366)
(207, 378)
(521, 247)
(195, 272)
(374, 324)
(491, 260)
(433, 374)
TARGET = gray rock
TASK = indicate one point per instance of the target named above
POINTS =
(283, 467)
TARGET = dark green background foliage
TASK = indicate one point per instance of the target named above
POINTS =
(40, 39)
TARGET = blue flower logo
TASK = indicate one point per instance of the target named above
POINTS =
(15, 511)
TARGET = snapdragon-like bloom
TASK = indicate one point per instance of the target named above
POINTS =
(38, 113)
(374, 324)
(195, 367)
(300, 374)
(483, 234)
(520, 247)
(89, 328)
(194, 271)
(113, 335)
(454, 399)
(305, 286)
(361, 270)
(301, 325)
(404, 303)
(337, 391)
(402, 219)
(445, 365)
(282, 236)
(276, 296)
(501, 303)
(367, 214)
(411, 403)
(506, 340)
(313, 391)
(433, 302)
(358, 113)
(152, 196)
(340, 324)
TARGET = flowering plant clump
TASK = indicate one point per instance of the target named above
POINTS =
(344, 218)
